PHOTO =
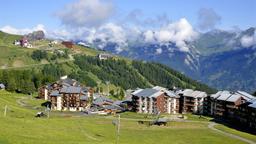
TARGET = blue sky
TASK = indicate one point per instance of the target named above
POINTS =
(28, 13)
(233, 12)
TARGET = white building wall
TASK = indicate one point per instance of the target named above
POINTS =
(150, 105)
(174, 105)
(45, 94)
(145, 105)
(140, 105)
(59, 102)
(196, 106)
(169, 105)
(211, 111)
(72, 109)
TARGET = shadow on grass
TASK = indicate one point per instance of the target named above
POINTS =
(234, 125)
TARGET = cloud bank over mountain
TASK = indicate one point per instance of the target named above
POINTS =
(91, 22)
(248, 41)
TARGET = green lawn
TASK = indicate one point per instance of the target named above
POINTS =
(198, 118)
(20, 126)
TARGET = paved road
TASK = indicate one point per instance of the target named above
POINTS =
(212, 124)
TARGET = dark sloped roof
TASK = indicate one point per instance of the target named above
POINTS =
(101, 100)
(252, 103)
(69, 82)
(246, 95)
(118, 102)
(55, 93)
(171, 94)
(113, 107)
(146, 92)
(71, 89)
(85, 90)
(232, 96)
(84, 97)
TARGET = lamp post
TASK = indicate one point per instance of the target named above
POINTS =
(5, 110)
(117, 124)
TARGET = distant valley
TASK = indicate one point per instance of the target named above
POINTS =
(221, 59)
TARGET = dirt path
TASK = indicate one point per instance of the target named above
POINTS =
(212, 124)
(34, 65)
(21, 102)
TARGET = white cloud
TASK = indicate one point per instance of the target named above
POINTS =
(88, 13)
(148, 36)
(12, 30)
(178, 32)
(59, 34)
(159, 51)
(248, 41)
(163, 36)
(113, 33)
(108, 33)
(86, 20)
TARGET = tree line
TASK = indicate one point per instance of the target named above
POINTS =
(38, 55)
(118, 72)
(28, 81)
(161, 75)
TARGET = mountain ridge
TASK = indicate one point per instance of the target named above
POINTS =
(192, 63)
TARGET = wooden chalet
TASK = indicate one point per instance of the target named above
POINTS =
(68, 44)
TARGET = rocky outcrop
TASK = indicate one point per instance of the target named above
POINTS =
(36, 35)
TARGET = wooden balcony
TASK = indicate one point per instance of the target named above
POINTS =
(189, 104)
(231, 106)
(220, 109)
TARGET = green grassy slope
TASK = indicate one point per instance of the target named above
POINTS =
(20, 126)
(8, 39)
